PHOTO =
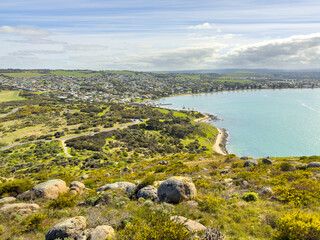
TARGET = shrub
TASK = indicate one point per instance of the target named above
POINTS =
(15, 187)
(210, 203)
(155, 226)
(250, 197)
(63, 201)
(298, 226)
(34, 222)
(301, 192)
(286, 167)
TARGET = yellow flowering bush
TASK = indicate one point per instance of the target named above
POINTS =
(299, 193)
(298, 226)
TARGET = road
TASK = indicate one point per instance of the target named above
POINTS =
(7, 114)
(136, 121)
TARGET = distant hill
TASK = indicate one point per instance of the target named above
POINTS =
(267, 71)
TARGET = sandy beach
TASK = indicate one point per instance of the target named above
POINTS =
(221, 139)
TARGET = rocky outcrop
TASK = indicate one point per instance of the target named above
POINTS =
(102, 232)
(7, 199)
(191, 225)
(313, 165)
(70, 228)
(127, 186)
(49, 190)
(76, 187)
(250, 163)
(148, 192)
(176, 189)
(266, 161)
(20, 208)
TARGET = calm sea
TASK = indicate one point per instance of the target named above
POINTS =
(263, 123)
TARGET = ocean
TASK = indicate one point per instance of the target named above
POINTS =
(261, 123)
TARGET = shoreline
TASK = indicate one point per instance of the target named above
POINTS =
(220, 146)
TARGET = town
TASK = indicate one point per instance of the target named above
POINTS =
(141, 87)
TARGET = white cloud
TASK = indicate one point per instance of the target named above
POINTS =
(292, 52)
(204, 26)
(79, 47)
(24, 30)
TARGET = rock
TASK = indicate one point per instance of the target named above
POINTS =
(127, 186)
(267, 191)
(49, 190)
(212, 234)
(70, 228)
(7, 199)
(107, 175)
(157, 183)
(76, 187)
(163, 163)
(223, 172)
(85, 176)
(244, 158)
(102, 232)
(22, 207)
(85, 234)
(250, 163)
(148, 192)
(313, 165)
(191, 225)
(127, 169)
(176, 189)
(192, 204)
(266, 161)
(228, 180)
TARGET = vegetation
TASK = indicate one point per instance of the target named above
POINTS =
(277, 201)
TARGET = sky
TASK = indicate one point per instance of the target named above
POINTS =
(146, 35)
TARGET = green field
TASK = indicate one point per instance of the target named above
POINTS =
(23, 74)
(75, 73)
(6, 96)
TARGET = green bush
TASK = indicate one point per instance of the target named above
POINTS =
(15, 187)
(298, 226)
(250, 197)
(210, 203)
(34, 222)
(154, 226)
(63, 201)
(286, 167)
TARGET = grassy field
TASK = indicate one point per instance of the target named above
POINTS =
(24, 74)
(6, 96)
(75, 73)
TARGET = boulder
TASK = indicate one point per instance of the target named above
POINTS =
(250, 163)
(148, 192)
(176, 189)
(102, 232)
(212, 234)
(163, 162)
(7, 199)
(244, 158)
(21, 208)
(76, 187)
(191, 225)
(127, 186)
(313, 165)
(267, 191)
(49, 190)
(70, 228)
(266, 161)
(85, 176)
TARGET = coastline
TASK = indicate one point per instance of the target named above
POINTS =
(220, 146)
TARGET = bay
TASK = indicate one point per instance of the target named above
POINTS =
(260, 123)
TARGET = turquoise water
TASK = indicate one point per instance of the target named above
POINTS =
(264, 122)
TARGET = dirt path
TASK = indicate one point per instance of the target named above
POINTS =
(7, 114)
(68, 138)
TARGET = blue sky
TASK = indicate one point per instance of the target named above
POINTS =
(159, 35)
